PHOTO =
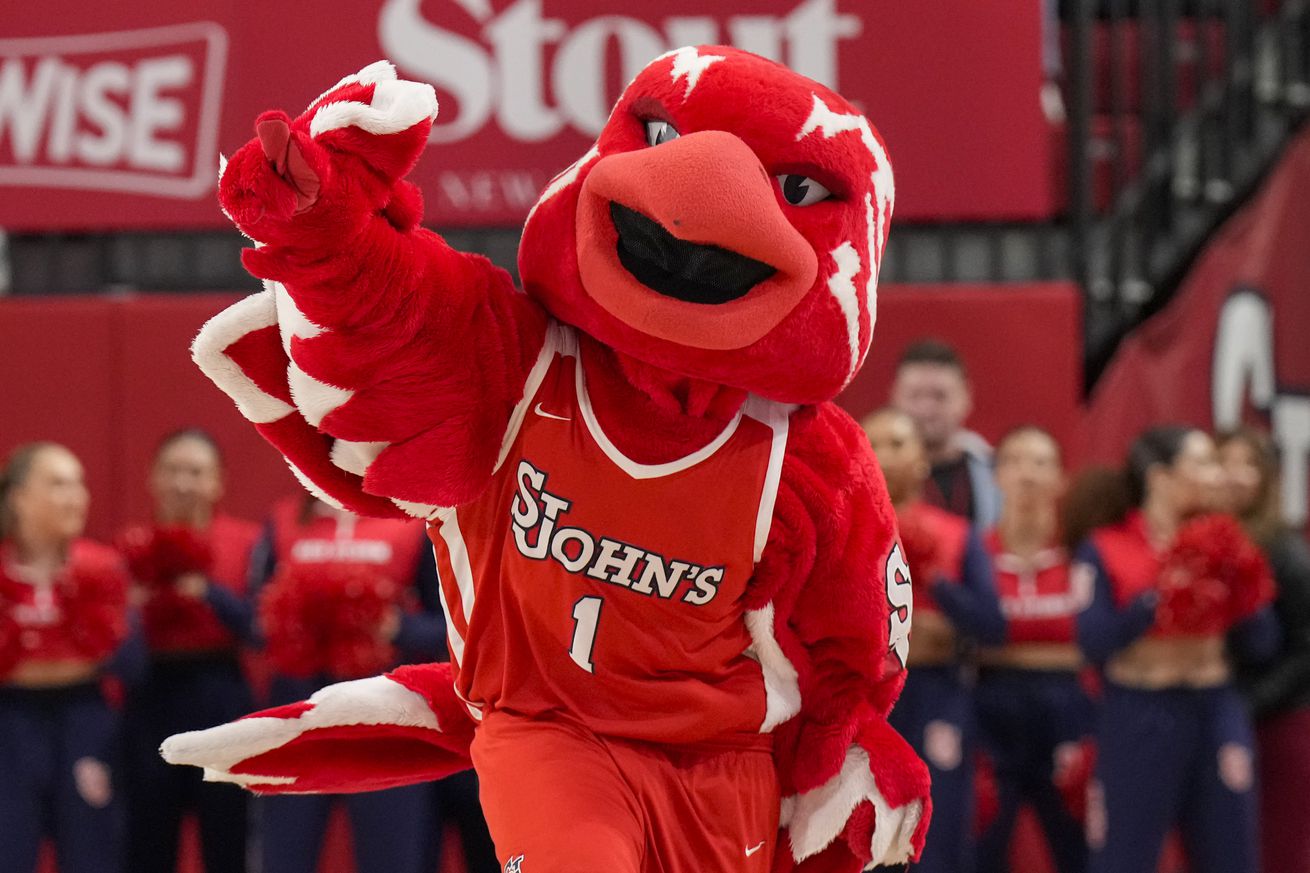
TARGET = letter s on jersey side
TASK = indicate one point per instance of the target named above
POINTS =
(900, 604)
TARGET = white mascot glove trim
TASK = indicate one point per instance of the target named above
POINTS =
(373, 701)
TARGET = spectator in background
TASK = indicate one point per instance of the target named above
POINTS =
(1174, 742)
(343, 597)
(1280, 691)
(932, 387)
(63, 615)
(954, 599)
(1036, 717)
(190, 565)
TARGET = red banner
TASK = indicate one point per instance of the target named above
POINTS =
(1232, 346)
(112, 115)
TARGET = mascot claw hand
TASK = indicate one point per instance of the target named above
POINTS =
(697, 287)
(381, 732)
(350, 148)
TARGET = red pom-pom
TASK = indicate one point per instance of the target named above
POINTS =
(94, 599)
(158, 556)
(923, 554)
(1212, 577)
(328, 619)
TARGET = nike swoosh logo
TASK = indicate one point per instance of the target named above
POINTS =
(753, 849)
(544, 414)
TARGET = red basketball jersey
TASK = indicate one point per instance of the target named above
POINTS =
(585, 582)
(1040, 598)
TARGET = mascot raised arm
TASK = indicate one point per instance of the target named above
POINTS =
(677, 607)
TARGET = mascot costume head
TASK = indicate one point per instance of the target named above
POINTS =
(727, 224)
(712, 259)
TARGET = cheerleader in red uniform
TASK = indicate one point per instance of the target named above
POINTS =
(1035, 715)
(63, 614)
(1179, 598)
(954, 603)
(343, 597)
(190, 566)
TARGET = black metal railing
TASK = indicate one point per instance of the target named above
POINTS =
(1176, 108)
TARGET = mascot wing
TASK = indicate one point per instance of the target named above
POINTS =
(829, 611)
(362, 735)
(382, 363)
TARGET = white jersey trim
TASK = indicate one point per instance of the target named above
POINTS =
(454, 640)
(633, 468)
(778, 417)
(559, 342)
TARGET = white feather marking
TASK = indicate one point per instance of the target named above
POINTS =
(878, 203)
(314, 398)
(396, 106)
(815, 818)
(308, 485)
(373, 701)
(565, 179)
(378, 71)
(209, 351)
(782, 690)
(291, 321)
(841, 284)
(689, 63)
(355, 457)
(425, 511)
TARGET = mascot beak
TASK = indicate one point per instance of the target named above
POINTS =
(694, 220)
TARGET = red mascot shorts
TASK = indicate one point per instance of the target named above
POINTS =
(559, 799)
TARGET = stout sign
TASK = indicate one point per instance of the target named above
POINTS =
(114, 118)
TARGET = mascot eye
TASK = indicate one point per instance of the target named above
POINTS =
(801, 190)
(659, 131)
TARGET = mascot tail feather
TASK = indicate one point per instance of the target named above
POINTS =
(363, 735)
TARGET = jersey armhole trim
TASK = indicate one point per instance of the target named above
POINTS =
(778, 417)
(558, 342)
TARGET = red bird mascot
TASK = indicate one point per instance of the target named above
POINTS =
(676, 605)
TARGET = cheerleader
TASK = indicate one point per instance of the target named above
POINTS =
(954, 601)
(1177, 596)
(1035, 715)
(190, 567)
(1279, 692)
(344, 597)
(63, 613)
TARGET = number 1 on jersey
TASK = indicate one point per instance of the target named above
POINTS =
(586, 615)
